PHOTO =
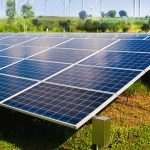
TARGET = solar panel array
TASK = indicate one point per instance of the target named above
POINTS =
(69, 78)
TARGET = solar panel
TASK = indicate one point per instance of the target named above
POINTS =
(93, 44)
(21, 51)
(119, 60)
(71, 106)
(33, 69)
(45, 42)
(10, 86)
(131, 45)
(63, 55)
(104, 79)
(69, 80)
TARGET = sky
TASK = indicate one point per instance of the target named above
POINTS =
(57, 7)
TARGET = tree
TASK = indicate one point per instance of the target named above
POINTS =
(146, 26)
(83, 14)
(11, 9)
(103, 26)
(123, 13)
(88, 26)
(111, 13)
(65, 24)
(27, 11)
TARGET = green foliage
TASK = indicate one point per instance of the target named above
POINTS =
(72, 24)
(65, 25)
(7, 146)
(146, 26)
(11, 9)
(138, 87)
(91, 26)
(103, 27)
(27, 11)
(121, 139)
(130, 138)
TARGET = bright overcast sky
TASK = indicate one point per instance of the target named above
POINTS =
(56, 7)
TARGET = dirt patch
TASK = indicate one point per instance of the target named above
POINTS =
(130, 111)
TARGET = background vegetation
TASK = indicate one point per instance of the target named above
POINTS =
(108, 22)
(74, 24)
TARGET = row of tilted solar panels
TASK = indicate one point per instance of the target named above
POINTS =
(67, 80)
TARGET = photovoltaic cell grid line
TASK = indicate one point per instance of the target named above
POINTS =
(64, 99)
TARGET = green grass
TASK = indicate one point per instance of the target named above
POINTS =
(42, 136)
(7, 146)
(121, 139)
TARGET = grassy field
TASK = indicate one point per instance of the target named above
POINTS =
(130, 115)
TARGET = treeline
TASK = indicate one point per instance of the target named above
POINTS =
(54, 24)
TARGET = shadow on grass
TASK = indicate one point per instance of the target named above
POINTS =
(146, 79)
(29, 133)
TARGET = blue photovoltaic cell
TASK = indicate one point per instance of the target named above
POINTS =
(92, 44)
(45, 42)
(21, 51)
(63, 55)
(61, 103)
(10, 86)
(2, 47)
(120, 60)
(33, 69)
(131, 45)
(103, 79)
(4, 61)
(14, 40)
